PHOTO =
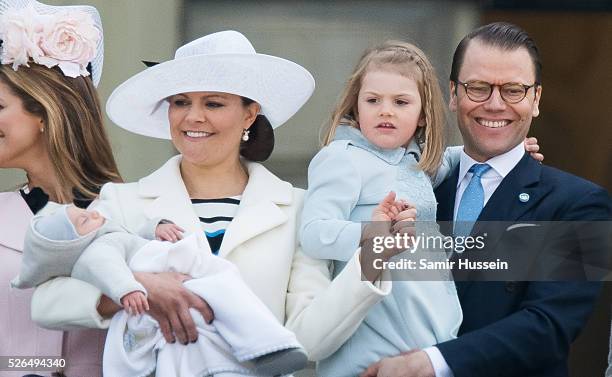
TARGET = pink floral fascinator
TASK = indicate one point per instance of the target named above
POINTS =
(69, 37)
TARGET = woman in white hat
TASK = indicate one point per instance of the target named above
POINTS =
(51, 127)
(218, 101)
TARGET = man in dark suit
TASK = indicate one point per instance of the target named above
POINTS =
(520, 328)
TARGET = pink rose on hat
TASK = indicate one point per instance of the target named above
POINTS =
(69, 40)
(19, 30)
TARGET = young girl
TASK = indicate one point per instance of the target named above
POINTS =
(386, 134)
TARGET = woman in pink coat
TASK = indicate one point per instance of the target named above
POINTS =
(50, 127)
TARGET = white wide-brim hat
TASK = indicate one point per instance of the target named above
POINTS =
(98, 60)
(221, 62)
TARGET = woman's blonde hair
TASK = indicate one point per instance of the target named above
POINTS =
(407, 60)
(74, 132)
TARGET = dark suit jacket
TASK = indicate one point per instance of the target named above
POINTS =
(523, 328)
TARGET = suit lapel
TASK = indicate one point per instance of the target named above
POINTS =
(505, 207)
(445, 195)
(259, 209)
(504, 204)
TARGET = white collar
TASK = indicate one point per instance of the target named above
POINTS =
(501, 164)
(262, 184)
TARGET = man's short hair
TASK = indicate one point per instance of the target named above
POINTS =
(503, 35)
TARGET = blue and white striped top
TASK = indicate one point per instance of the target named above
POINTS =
(215, 216)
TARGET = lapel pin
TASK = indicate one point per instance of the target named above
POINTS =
(524, 197)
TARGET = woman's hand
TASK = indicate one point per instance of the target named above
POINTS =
(532, 147)
(170, 301)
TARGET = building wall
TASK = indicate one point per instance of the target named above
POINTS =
(325, 37)
(328, 38)
(575, 123)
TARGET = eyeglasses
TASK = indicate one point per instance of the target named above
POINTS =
(480, 91)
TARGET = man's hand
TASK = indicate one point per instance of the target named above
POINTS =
(411, 364)
(532, 147)
(170, 302)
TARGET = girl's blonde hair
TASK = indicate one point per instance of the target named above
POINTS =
(408, 60)
(74, 133)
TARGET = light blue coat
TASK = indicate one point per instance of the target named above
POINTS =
(346, 180)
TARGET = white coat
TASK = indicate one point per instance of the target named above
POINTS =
(261, 241)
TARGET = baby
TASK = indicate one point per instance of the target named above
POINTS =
(85, 245)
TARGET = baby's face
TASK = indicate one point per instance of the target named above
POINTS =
(84, 221)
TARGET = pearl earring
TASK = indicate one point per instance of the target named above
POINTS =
(245, 135)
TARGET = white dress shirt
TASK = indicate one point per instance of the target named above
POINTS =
(500, 167)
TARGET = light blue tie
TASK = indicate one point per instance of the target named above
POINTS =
(471, 202)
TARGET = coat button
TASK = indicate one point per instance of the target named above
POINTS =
(510, 286)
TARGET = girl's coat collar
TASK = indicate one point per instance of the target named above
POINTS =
(390, 156)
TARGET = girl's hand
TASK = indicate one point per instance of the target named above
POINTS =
(170, 301)
(135, 303)
(387, 209)
(169, 232)
(390, 218)
(382, 217)
(531, 146)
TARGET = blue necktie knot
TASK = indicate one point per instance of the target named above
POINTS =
(479, 169)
